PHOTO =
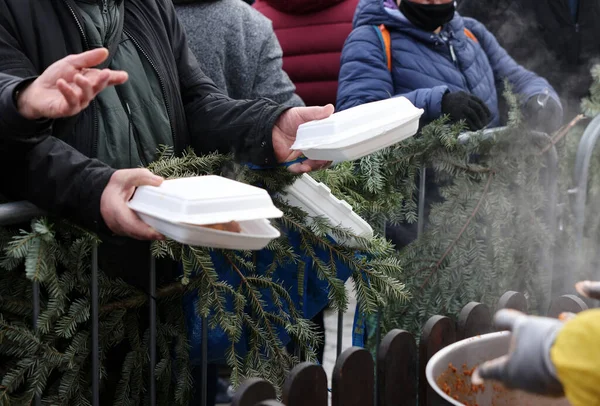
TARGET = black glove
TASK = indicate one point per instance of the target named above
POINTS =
(543, 113)
(528, 365)
(465, 106)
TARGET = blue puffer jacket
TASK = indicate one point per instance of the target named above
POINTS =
(426, 65)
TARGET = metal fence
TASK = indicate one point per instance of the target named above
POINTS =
(20, 212)
(399, 379)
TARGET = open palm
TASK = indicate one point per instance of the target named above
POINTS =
(284, 136)
(67, 87)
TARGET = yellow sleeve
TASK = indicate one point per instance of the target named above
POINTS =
(576, 355)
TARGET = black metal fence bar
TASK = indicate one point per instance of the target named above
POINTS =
(340, 333)
(95, 330)
(152, 343)
(35, 291)
(421, 212)
(18, 212)
(204, 384)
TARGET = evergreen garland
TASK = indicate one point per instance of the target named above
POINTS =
(488, 236)
(491, 234)
(54, 361)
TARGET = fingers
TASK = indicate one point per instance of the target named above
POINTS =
(506, 319)
(483, 111)
(130, 225)
(81, 92)
(108, 76)
(589, 289)
(493, 370)
(70, 93)
(141, 177)
(100, 80)
(87, 89)
(308, 166)
(479, 114)
(88, 59)
(116, 77)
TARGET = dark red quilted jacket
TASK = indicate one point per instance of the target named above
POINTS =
(312, 35)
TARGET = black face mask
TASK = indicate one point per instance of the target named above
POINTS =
(427, 17)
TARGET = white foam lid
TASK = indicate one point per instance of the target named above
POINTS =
(204, 200)
(317, 200)
(357, 124)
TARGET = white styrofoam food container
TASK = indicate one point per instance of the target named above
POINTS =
(316, 199)
(255, 235)
(358, 131)
(178, 207)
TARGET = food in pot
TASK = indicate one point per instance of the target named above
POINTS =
(456, 382)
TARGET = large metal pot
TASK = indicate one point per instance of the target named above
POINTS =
(449, 371)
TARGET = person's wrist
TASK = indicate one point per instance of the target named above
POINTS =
(23, 102)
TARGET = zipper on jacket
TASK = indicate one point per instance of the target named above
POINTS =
(94, 151)
(79, 25)
(133, 134)
(453, 54)
(160, 80)
(456, 62)
(104, 6)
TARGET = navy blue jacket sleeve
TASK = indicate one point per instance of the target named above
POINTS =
(364, 76)
(524, 82)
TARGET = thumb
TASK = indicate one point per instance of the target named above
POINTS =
(589, 289)
(491, 370)
(506, 319)
(88, 59)
(142, 177)
(317, 112)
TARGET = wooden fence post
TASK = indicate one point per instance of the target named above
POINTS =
(252, 392)
(566, 303)
(474, 319)
(397, 369)
(306, 385)
(513, 300)
(439, 332)
(353, 381)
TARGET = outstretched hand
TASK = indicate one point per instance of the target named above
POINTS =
(68, 86)
(284, 136)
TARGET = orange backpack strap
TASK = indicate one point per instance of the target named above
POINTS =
(470, 35)
(386, 42)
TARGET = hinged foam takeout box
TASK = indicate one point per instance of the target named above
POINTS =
(359, 131)
(182, 208)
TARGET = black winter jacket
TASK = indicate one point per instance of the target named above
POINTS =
(543, 36)
(54, 172)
